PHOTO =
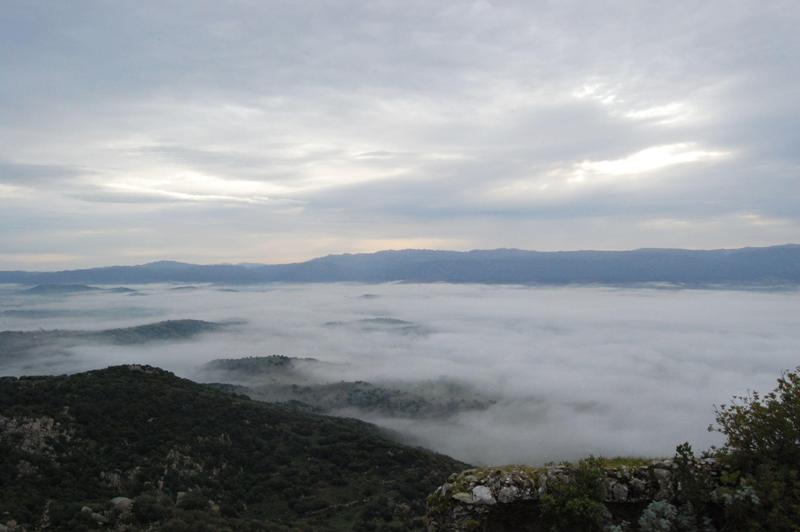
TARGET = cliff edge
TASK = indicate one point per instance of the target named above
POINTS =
(595, 494)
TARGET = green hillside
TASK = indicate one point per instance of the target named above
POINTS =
(194, 458)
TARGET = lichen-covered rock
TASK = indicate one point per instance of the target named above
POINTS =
(122, 504)
(501, 498)
(482, 495)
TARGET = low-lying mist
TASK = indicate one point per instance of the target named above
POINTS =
(574, 370)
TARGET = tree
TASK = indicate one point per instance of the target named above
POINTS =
(763, 451)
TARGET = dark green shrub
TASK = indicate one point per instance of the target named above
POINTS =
(147, 509)
(576, 504)
(763, 453)
(175, 525)
(694, 488)
(193, 501)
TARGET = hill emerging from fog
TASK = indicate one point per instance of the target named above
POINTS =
(293, 380)
(770, 265)
(41, 343)
(137, 448)
(61, 289)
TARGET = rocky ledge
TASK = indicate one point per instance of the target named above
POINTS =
(511, 498)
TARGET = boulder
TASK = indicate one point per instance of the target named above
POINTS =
(99, 518)
(482, 495)
(122, 504)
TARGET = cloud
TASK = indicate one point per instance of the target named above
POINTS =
(35, 175)
(576, 370)
(403, 114)
(662, 114)
(645, 161)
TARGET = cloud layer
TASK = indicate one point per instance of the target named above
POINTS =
(576, 370)
(283, 130)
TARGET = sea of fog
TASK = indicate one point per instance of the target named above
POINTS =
(576, 370)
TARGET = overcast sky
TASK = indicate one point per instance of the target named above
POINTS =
(272, 131)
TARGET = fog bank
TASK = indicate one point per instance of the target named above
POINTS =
(577, 370)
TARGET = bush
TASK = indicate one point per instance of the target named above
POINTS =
(694, 488)
(175, 525)
(193, 501)
(763, 453)
(147, 509)
(659, 516)
(576, 504)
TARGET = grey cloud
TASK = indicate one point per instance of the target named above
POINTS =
(402, 114)
(270, 163)
(577, 370)
(36, 174)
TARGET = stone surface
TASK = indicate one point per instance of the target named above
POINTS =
(619, 492)
(99, 518)
(464, 497)
(508, 494)
(122, 504)
(472, 499)
(482, 495)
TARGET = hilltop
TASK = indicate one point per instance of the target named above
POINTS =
(139, 448)
(319, 386)
(22, 344)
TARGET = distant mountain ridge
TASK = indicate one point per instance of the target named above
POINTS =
(771, 265)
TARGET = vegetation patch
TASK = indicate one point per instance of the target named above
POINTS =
(193, 458)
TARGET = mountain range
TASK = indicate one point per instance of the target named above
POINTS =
(752, 265)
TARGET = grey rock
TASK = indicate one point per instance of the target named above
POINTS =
(625, 487)
(637, 489)
(662, 475)
(99, 518)
(508, 494)
(463, 497)
(122, 504)
(483, 495)
(619, 492)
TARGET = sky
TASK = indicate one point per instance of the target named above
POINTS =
(277, 131)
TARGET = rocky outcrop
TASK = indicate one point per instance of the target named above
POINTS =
(33, 434)
(510, 498)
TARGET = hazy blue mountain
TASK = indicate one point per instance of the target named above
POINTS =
(776, 264)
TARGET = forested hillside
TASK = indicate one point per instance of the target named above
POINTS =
(177, 455)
